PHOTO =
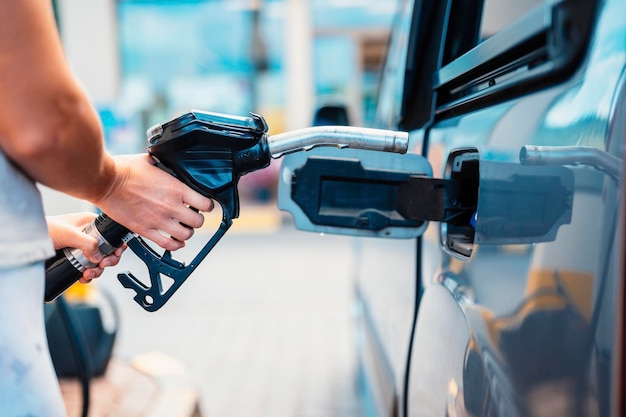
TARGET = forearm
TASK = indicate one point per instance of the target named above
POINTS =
(47, 125)
(64, 152)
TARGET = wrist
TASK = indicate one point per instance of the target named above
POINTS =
(111, 178)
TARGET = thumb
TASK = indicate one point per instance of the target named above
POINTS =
(70, 237)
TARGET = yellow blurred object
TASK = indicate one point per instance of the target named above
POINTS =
(275, 119)
(576, 287)
(79, 292)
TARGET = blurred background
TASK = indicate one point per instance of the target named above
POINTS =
(264, 327)
(146, 61)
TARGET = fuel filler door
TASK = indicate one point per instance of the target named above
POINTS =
(377, 194)
(364, 193)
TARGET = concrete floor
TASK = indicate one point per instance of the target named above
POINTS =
(264, 327)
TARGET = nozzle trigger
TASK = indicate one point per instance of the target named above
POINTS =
(153, 297)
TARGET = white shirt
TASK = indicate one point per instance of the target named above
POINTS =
(23, 231)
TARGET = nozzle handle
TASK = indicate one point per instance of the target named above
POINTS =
(60, 275)
(68, 265)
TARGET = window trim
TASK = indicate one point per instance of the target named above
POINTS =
(536, 23)
(423, 58)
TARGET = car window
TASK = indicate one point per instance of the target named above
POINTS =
(498, 14)
(440, 32)
(392, 81)
(513, 44)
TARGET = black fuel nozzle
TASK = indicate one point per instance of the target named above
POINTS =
(210, 152)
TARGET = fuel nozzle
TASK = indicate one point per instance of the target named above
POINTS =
(210, 152)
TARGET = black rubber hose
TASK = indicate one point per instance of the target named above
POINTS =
(60, 275)
(79, 348)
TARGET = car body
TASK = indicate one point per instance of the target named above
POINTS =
(511, 304)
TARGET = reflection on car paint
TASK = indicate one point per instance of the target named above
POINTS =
(540, 318)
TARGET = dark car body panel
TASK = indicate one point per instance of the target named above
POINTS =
(524, 326)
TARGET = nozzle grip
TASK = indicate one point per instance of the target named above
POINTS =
(60, 275)
(63, 270)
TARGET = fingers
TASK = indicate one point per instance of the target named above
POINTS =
(188, 219)
(90, 274)
(66, 231)
(175, 232)
(166, 242)
(87, 244)
(111, 260)
(197, 200)
(153, 203)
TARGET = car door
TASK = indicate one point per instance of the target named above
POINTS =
(518, 312)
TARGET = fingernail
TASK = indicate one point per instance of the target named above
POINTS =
(91, 275)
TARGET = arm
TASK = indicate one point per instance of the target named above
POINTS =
(49, 129)
(46, 124)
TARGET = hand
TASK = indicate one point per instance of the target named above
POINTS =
(67, 231)
(152, 203)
